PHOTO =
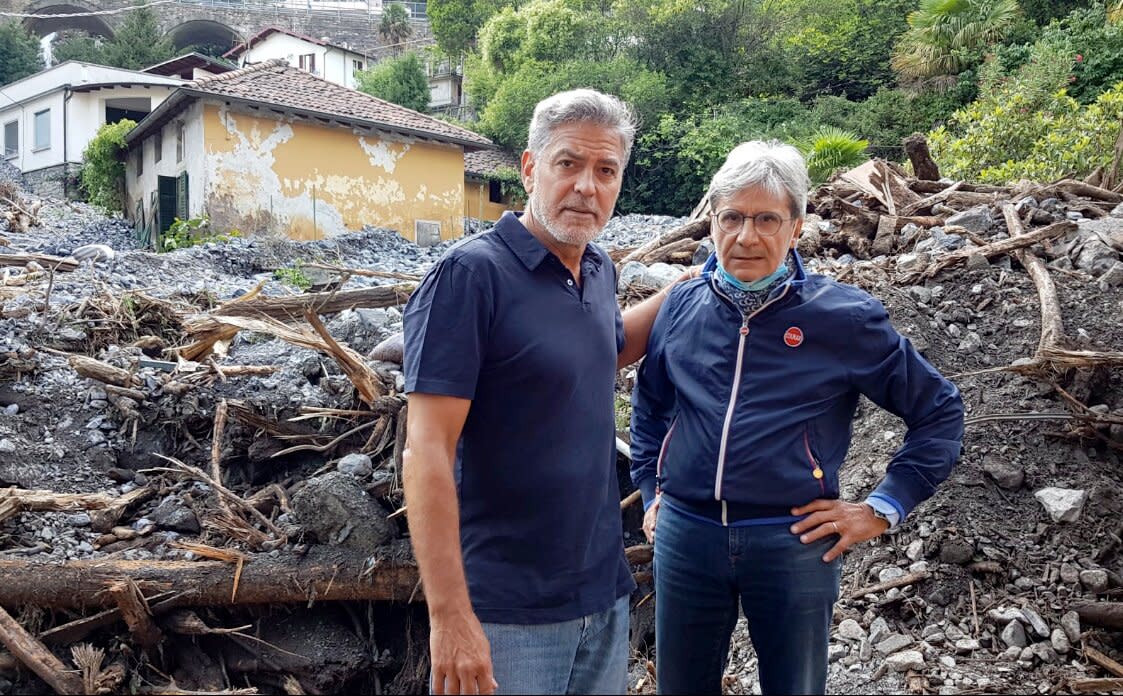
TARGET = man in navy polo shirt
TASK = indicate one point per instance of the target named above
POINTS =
(512, 342)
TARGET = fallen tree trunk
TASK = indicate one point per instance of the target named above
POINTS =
(695, 229)
(324, 574)
(1102, 615)
(294, 307)
(1004, 246)
(36, 657)
(54, 262)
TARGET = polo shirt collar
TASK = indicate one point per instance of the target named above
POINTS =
(527, 247)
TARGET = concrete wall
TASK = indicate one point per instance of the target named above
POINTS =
(332, 64)
(309, 181)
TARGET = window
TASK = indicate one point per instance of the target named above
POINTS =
(179, 134)
(356, 66)
(140, 159)
(11, 139)
(495, 191)
(308, 62)
(43, 130)
(158, 146)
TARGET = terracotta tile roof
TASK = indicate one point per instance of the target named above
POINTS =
(278, 84)
(485, 163)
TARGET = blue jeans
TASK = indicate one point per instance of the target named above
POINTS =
(582, 656)
(786, 590)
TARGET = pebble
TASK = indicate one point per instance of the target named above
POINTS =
(80, 519)
(915, 550)
(966, 646)
(1069, 573)
(1006, 474)
(1060, 641)
(1038, 624)
(956, 551)
(7, 446)
(890, 573)
(893, 643)
(1070, 623)
(1014, 635)
(11, 409)
(977, 262)
(1062, 504)
(879, 629)
(1004, 615)
(1094, 580)
(947, 661)
(356, 464)
(905, 661)
(851, 630)
(836, 651)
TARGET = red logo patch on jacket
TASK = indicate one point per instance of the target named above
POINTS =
(793, 337)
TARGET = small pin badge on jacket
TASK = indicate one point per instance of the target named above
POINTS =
(793, 337)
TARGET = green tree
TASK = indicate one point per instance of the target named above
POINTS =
(19, 53)
(138, 42)
(394, 27)
(103, 170)
(80, 46)
(456, 23)
(400, 80)
(1095, 45)
(947, 36)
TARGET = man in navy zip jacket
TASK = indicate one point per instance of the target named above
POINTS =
(741, 419)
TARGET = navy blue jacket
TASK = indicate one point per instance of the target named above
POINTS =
(755, 412)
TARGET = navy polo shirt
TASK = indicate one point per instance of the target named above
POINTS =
(500, 321)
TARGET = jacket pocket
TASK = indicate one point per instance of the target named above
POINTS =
(813, 461)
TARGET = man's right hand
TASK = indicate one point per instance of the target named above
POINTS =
(461, 655)
(649, 519)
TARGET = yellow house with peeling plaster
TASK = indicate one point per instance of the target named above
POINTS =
(272, 149)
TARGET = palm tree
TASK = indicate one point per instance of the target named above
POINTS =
(943, 35)
(394, 27)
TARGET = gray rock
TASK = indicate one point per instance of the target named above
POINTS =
(1062, 504)
(7, 446)
(660, 275)
(947, 661)
(1004, 615)
(1038, 624)
(905, 661)
(1112, 277)
(851, 630)
(334, 509)
(80, 519)
(915, 550)
(391, 350)
(977, 219)
(971, 343)
(1010, 654)
(173, 513)
(1117, 211)
(1006, 474)
(11, 409)
(1095, 257)
(1070, 624)
(890, 573)
(957, 551)
(893, 643)
(1094, 580)
(921, 294)
(1014, 635)
(707, 247)
(865, 650)
(912, 262)
(631, 274)
(977, 262)
(1044, 652)
(355, 464)
(1069, 573)
(966, 646)
(836, 652)
(1059, 641)
(879, 629)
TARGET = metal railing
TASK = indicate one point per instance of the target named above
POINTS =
(417, 8)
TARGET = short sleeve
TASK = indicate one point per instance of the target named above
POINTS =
(446, 327)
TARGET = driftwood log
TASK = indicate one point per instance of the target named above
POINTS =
(1004, 246)
(1102, 615)
(916, 147)
(36, 657)
(1052, 327)
(325, 574)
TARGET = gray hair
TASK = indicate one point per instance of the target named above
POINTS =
(774, 166)
(581, 106)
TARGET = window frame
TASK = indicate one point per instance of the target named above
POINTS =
(14, 152)
(307, 65)
(36, 147)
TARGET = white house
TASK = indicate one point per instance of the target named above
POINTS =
(319, 57)
(50, 117)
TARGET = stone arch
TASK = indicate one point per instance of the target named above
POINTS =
(204, 32)
(44, 22)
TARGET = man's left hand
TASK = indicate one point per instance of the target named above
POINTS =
(852, 522)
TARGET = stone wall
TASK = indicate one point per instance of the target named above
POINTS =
(60, 181)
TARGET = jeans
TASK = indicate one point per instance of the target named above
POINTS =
(582, 656)
(787, 592)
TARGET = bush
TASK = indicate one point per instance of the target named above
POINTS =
(103, 171)
(1096, 48)
(192, 232)
(400, 80)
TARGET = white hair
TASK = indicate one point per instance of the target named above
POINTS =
(774, 166)
(581, 106)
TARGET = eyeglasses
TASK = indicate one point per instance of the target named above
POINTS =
(733, 221)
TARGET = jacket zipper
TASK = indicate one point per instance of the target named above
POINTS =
(662, 454)
(744, 334)
(816, 470)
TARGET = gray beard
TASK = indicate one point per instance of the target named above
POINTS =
(560, 233)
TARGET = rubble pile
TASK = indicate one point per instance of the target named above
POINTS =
(200, 463)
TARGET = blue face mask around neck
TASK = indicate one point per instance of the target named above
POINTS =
(780, 272)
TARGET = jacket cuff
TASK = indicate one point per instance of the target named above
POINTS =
(888, 507)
